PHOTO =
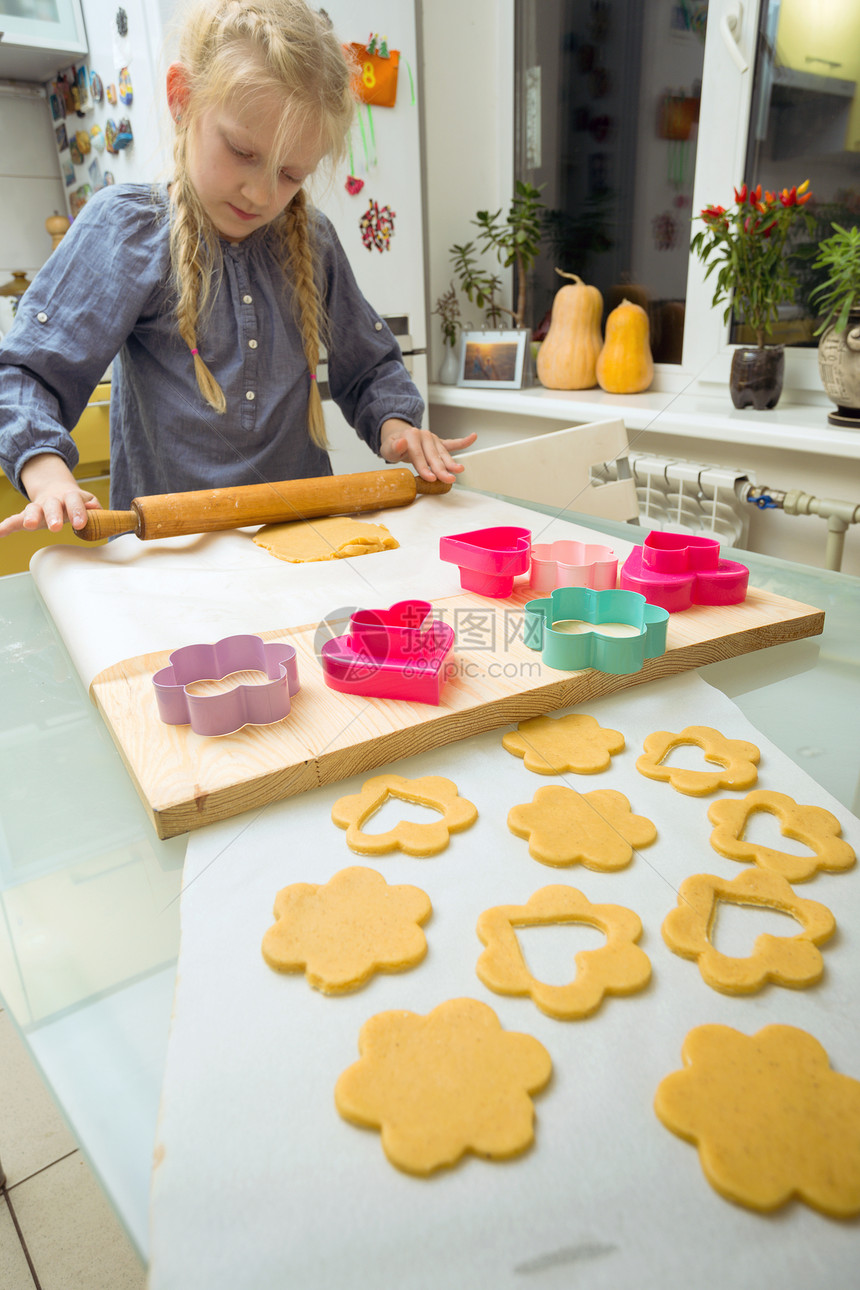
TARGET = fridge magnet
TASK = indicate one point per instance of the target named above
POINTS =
(376, 80)
(62, 137)
(354, 185)
(82, 139)
(98, 138)
(492, 359)
(68, 169)
(94, 171)
(83, 83)
(79, 198)
(64, 89)
(111, 94)
(97, 89)
(126, 91)
(377, 227)
(108, 178)
(55, 103)
(124, 137)
(75, 151)
(111, 132)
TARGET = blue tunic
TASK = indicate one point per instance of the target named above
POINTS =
(105, 294)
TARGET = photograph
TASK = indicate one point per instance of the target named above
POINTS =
(492, 359)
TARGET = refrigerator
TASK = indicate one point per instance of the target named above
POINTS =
(375, 199)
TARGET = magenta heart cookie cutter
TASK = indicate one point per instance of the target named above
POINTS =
(572, 564)
(396, 653)
(244, 705)
(677, 571)
(489, 559)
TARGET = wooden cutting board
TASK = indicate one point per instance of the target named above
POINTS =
(187, 780)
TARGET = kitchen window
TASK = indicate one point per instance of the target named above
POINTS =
(635, 114)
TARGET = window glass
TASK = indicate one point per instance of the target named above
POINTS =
(606, 109)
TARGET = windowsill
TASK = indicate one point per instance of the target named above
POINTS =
(792, 426)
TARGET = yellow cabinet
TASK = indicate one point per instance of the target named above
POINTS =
(92, 435)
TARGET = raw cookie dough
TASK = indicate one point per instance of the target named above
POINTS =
(770, 1117)
(341, 932)
(444, 1084)
(598, 829)
(811, 825)
(618, 967)
(552, 745)
(415, 839)
(736, 758)
(786, 960)
(334, 537)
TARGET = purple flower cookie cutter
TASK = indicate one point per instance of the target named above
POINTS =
(244, 705)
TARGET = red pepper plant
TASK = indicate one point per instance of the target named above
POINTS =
(746, 247)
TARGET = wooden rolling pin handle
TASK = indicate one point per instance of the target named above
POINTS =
(107, 524)
(431, 485)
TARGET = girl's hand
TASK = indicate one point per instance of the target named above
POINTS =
(430, 455)
(55, 496)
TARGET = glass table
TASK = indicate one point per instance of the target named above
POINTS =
(89, 908)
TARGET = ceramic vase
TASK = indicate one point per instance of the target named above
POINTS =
(839, 368)
(757, 375)
(449, 370)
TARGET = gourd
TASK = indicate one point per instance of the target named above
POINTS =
(625, 365)
(567, 357)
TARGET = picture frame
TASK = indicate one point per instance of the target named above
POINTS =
(492, 360)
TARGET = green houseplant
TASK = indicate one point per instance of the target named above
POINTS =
(515, 241)
(746, 247)
(838, 299)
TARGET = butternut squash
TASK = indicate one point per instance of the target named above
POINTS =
(625, 365)
(567, 357)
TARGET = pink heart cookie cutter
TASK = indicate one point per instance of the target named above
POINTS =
(676, 571)
(243, 705)
(489, 559)
(396, 653)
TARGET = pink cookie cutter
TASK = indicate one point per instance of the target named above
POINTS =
(676, 571)
(489, 559)
(244, 705)
(572, 564)
(396, 653)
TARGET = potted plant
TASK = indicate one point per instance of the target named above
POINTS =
(746, 246)
(515, 241)
(838, 299)
(448, 309)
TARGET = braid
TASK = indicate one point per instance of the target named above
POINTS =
(308, 304)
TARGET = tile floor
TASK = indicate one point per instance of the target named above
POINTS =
(57, 1230)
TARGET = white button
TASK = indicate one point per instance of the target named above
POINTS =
(248, 299)
(42, 317)
(378, 326)
(250, 396)
(252, 344)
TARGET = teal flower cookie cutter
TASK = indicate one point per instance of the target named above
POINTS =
(571, 628)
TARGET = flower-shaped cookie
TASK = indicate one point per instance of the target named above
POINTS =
(786, 960)
(553, 745)
(416, 839)
(736, 758)
(810, 825)
(618, 967)
(341, 932)
(598, 829)
(770, 1117)
(443, 1084)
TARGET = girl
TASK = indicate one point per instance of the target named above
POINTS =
(215, 294)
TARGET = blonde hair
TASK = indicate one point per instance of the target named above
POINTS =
(233, 51)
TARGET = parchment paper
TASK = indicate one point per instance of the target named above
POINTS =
(262, 1184)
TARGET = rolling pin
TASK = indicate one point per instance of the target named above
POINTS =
(213, 509)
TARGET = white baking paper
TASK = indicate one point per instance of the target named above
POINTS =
(260, 1183)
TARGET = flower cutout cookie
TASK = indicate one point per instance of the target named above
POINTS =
(736, 758)
(769, 1116)
(618, 967)
(444, 1084)
(416, 839)
(811, 825)
(554, 745)
(597, 829)
(787, 960)
(341, 932)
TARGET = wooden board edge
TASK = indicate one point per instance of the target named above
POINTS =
(579, 687)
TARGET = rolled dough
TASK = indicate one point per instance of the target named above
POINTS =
(335, 537)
